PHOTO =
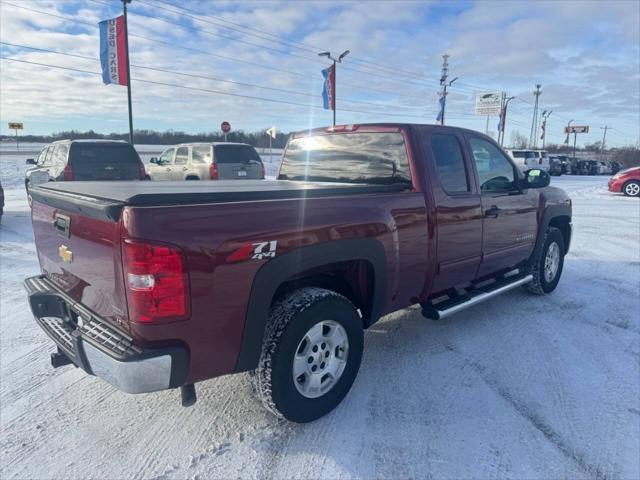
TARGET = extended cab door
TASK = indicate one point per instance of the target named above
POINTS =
(458, 207)
(509, 214)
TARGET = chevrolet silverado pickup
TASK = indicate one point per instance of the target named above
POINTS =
(159, 285)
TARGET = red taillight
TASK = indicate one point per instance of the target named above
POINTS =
(213, 171)
(157, 284)
(143, 173)
(67, 173)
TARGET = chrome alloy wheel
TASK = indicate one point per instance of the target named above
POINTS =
(320, 359)
(632, 189)
(551, 262)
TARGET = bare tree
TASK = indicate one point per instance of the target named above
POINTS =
(518, 140)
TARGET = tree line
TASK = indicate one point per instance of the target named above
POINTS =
(169, 137)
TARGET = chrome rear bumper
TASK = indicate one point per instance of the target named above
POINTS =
(101, 349)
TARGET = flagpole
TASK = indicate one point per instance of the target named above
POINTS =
(126, 46)
(335, 82)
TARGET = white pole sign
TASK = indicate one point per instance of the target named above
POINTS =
(488, 103)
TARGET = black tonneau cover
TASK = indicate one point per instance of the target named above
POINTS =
(105, 200)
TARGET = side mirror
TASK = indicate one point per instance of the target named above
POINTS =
(31, 161)
(153, 160)
(536, 178)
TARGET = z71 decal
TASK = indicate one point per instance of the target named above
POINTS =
(254, 251)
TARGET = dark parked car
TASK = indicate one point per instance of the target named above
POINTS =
(555, 166)
(588, 167)
(158, 285)
(79, 160)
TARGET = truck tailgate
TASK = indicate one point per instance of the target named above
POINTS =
(81, 256)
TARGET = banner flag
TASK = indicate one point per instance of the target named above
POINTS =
(329, 88)
(113, 54)
(441, 112)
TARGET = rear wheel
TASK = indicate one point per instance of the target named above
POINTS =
(631, 188)
(547, 263)
(311, 354)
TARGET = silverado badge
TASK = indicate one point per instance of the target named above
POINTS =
(65, 254)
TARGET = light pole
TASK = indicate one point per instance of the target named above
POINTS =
(504, 118)
(335, 61)
(545, 115)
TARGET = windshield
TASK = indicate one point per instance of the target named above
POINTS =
(236, 154)
(374, 158)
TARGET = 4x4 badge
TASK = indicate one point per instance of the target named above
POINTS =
(254, 251)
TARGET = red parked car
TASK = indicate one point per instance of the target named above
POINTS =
(626, 181)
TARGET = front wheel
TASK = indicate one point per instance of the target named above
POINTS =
(311, 354)
(547, 263)
(631, 188)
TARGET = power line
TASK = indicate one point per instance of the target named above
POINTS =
(277, 38)
(215, 55)
(219, 92)
(217, 79)
(263, 47)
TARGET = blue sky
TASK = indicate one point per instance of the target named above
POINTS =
(585, 55)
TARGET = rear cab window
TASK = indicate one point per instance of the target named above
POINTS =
(363, 157)
(450, 165)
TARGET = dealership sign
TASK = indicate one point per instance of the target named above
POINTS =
(15, 126)
(489, 103)
(577, 129)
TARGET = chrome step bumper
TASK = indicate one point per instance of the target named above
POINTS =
(99, 348)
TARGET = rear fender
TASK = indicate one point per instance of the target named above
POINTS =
(276, 271)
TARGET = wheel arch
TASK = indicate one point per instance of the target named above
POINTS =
(355, 268)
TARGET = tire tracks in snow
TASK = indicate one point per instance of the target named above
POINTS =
(593, 470)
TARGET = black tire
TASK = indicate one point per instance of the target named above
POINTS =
(540, 285)
(631, 188)
(290, 319)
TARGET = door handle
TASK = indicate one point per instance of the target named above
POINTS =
(168, 169)
(493, 212)
(184, 169)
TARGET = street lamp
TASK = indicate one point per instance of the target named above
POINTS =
(335, 61)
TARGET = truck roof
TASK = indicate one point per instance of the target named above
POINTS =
(373, 127)
(215, 144)
(89, 140)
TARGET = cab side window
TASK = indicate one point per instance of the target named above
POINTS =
(167, 157)
(495, 172)
(450, 163)
(182, 155)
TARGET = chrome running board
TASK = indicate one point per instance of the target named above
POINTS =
(473, 297)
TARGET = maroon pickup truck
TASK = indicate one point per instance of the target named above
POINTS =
(158, 285)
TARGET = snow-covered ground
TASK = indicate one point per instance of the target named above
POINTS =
(519, 387)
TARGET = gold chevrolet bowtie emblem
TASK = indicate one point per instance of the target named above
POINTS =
(65, 254)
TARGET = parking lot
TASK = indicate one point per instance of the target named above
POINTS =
(522, 386)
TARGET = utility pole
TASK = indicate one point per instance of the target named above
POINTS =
(334, 83)
(444, 84)
(545, 115)
(533, 137)
(604, 137)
